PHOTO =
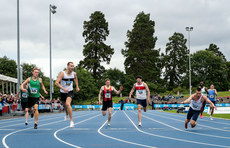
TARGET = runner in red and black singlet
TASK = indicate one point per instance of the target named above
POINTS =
(106, 93)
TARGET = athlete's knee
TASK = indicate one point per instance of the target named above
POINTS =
(103, 113)
(145, 109)
(193, 122)
(67, 104)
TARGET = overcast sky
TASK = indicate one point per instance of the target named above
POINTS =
(210, 19)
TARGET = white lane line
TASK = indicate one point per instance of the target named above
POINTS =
(4, 138)
(7, 129)
(22, 118)
(82, 129)
(118, 128)
(185, 131)
(205, 119)
(99, 131)
(183, 121)
(177, 139)
(55, 133)
(31, 122)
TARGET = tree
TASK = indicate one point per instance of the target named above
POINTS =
(209, 68)
(140, 56)
(27, 70)
(216, 51)
(175, 60)
(95, 50)
(87, 85)
(228, 73)
(8, 67)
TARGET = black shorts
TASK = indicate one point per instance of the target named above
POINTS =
(64, 96)
(32, 101)
(214, 102)
(193, 114)
(107, 104)
(24, 105)
(142, 102)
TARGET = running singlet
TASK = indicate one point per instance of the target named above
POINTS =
(34, 87)
(67, 82)
(203, 91)
(211, 95)
(196, 105)
(107, 94)
(140, 91)
(24, 96)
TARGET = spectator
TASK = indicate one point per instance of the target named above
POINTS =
(227, 97)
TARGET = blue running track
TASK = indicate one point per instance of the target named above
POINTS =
(159, 129)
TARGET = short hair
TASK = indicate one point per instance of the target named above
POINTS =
(198, 88)
(69, 63)
(138, 76)
(107, 79)
(35, 69)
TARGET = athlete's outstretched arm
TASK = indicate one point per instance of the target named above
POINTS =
(117, 92)
(207, 100)
(99, 96)
(188, 100)
(24, 83)
(76, 81)
(206, 89)
(42, 85)
(147, 89)
(131, 92)
(215, 92)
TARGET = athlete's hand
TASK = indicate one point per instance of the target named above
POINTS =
(121, 88)
(46, 92)
(65, 90)
(148, 101)
(215, 107)
(24, 90)
(77, 89)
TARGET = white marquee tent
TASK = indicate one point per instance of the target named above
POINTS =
(8, 80)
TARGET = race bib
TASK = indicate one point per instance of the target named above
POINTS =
(107, 95)
(68, 83)
(212, 96)
(140, 91)
(24, 95)
(194, 105)
(33, 90)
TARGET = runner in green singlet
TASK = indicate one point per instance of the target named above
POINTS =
(34, 84)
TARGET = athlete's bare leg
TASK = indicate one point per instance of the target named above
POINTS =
(26, 114)
(69, 108)
(110, 115)
(36, 113)
(65, 108)
(193, 123)
(139, 112)
(212, 110)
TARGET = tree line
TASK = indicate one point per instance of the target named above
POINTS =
(164, 72)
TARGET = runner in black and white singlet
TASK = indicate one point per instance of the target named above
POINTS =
(204, 91)
(142, 95)
(67, 78)
(106, 93)
(195, 105)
